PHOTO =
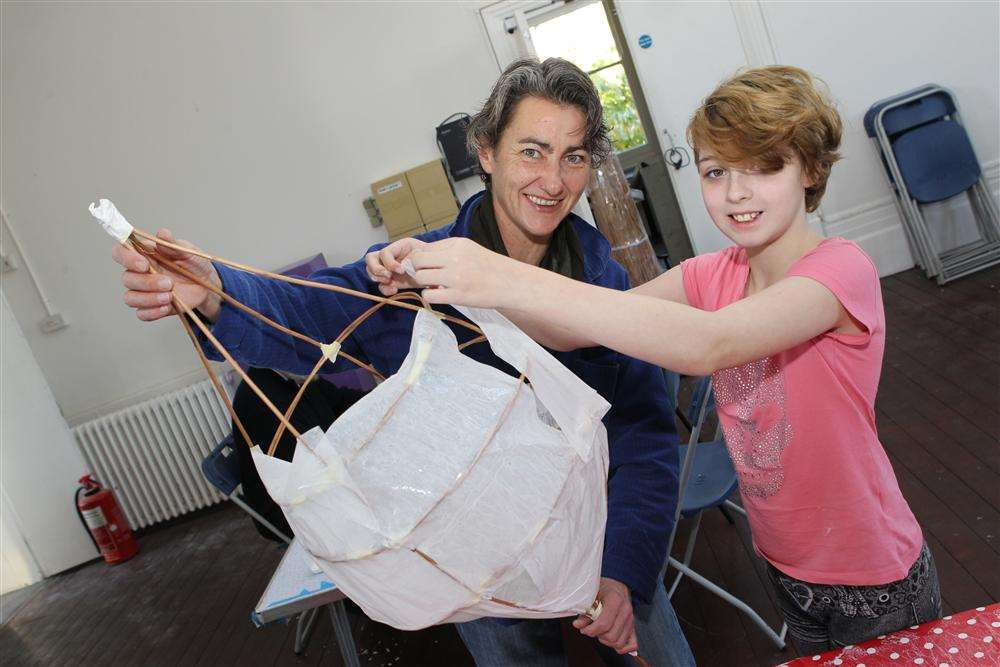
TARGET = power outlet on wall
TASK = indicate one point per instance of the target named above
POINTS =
(53, 323)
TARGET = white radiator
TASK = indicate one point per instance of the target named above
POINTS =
(150, 454)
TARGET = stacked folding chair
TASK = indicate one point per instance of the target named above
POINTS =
(929, 158)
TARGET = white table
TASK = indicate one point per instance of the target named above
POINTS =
(295, 588)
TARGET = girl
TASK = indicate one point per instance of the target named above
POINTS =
(790, 326)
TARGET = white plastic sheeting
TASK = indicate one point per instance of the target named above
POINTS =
(454, 491)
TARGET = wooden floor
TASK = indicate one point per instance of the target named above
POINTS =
(186, 599)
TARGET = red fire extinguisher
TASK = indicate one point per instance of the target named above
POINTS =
(99, 512)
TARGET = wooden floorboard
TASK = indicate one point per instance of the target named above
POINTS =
(901, 397)
(186, 599)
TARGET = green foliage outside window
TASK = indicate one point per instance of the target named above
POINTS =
(619, 108)
(584, 37)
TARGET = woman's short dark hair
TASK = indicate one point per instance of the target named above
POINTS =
(554, 79)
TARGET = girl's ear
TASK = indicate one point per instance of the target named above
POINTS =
(808, 178)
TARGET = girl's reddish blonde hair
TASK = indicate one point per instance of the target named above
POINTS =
(762, 116)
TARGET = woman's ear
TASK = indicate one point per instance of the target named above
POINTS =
(486, 159)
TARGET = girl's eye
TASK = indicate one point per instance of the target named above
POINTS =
(530, 152)
(714, 172)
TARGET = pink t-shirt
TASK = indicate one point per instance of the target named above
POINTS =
(822, 499)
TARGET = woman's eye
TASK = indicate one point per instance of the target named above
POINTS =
(576, 159)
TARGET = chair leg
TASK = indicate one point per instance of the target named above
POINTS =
(682, 418)
(673, 586)
(779, 640)
(725, 513)
(733, 506)
(267, 524)
(304, 628)
(688, 553)
(342, 629)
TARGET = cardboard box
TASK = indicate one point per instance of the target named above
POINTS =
(396, 204)
(432, 191)
(440, 222)
(402, 234)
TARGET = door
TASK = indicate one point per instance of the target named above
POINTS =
(689, 48)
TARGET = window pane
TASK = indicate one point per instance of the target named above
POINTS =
(619, 108)
(582, 36)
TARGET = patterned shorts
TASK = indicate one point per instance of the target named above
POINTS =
(823, 616)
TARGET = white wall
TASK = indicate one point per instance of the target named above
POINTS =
(39, 466)
(865, 52)
(18, 566)
(253, 129)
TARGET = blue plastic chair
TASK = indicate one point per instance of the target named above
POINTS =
(707, 480)
(222, 470)
(929, 158)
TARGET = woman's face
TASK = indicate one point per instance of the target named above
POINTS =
(539, 169)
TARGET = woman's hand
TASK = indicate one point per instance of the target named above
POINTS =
(615, 627)
(459, 271)
(385, 266)
(150, 293)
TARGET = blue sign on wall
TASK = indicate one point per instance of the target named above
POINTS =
(645, 41)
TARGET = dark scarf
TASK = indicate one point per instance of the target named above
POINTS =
(564, 255)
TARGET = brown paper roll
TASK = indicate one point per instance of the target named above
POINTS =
(618, 219)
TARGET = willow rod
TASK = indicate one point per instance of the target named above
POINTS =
(298, 281)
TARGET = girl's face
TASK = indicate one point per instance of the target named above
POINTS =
(751, 207)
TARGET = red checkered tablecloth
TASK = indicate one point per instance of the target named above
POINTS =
(968, 638)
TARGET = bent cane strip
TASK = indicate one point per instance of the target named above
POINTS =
(212, 376)
(437, 566)
(294, 404)
(215, 383)
(489, 440)
(458, 482)
(477, 339)
(232, 362)
(394, 300)
(186, 310)
(173, 266)
(330, 352)
(382, 422)
(118, 227)
(298, 281)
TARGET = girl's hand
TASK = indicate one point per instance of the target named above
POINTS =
(385, 266)
(459, 271)
(150, 293)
